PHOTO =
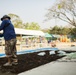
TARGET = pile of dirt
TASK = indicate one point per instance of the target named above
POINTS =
(26, 62)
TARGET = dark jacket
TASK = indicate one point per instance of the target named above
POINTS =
(8, 30)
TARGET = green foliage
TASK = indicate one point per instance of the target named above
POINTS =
(16, 20)
(59, 6)
(32, 26)
(46, 30)
(58, 30)
(73, 31)
(18, 23)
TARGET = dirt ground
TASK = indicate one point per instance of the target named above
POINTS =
(26, 62)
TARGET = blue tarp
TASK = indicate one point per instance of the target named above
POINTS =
(30, 51)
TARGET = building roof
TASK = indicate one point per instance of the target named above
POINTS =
(29, 32)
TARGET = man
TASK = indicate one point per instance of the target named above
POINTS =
(10, 40)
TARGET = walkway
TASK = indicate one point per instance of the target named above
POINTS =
(53, 68)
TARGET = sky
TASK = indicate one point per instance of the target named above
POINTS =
(29, 11)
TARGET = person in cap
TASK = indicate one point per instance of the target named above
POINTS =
(10, 40)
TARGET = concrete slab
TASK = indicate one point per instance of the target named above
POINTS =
(53, 68)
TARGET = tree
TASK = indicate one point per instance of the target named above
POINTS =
(55, 29)
(65, 31)
(46, 30)
(60, 30)
(16, 20)
(73, 31)
(19, 24)
(64, 10)
(32, 26)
